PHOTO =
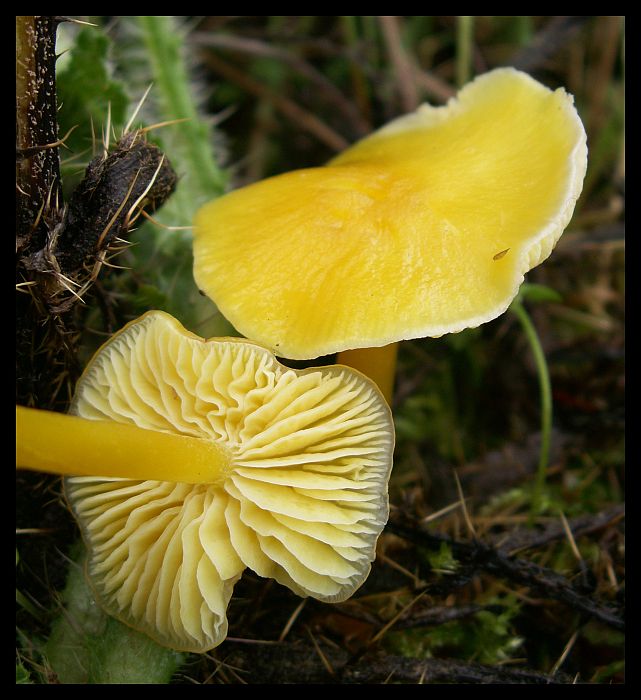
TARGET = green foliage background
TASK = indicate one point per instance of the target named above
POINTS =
(254, 96)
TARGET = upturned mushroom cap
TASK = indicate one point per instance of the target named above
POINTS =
(426, 227)
(303, 500)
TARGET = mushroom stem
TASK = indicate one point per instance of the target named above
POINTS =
(70, 445)
(379, 364)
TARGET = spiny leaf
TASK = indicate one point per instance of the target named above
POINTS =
(88, 646)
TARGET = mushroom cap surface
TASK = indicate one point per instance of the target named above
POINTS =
(303, 500)
(425, 227)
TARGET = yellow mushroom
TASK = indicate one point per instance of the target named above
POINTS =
(426, 227)
(259, 466)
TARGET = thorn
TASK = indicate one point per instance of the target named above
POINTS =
(93, 135)
(49, 193)
(107, 131)
(115, 267)
(25, 152)
(61, 142)
(143, 195)
(68, 280)
(466, 515)
(149, 217)
(38, 217)
(138, 106)
(117, 250)
(69, 289)
(74, 21)
(20, 285)
(110, 223)
(161, 124)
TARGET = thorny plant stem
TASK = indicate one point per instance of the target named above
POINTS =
(37, 163)
(546, 402)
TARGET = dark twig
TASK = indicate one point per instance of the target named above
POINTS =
(581, 525)
(300, 663)
(426, 617)
(378, 669)
(555, 36)
(301, 117)
(484, 557)
(432, 617)
(255, 47)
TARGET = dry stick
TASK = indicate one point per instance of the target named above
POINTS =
(259, 48)
(580, 525)
(556, 35)
(291, 620)
(412, 78)
(433, 617)
(433, 85)
(304, 119)
(323, 657)
(486, 558)
(428, 617)
(442, 670)
(396, 618)
(401, 63)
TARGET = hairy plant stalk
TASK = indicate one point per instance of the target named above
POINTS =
(164, 42)
(45, 341)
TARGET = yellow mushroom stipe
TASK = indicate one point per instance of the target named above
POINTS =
(398, 236)
(379, 364)
(303, 502)
(63, 444)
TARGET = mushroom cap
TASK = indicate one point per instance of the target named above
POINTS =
(303, 500)
(426, 227)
